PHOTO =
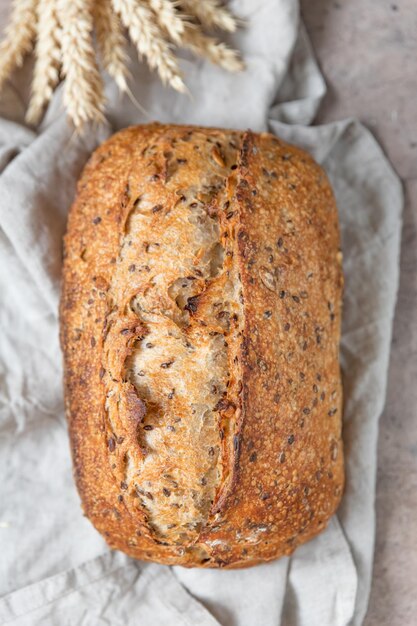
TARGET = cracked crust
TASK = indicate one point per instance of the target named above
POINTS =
(200, 326)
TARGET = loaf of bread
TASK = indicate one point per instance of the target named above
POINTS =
(200, 325)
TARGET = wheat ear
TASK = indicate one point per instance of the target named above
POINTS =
(19, 37)
(149, 40)
(111, 42)
(168, 18)
(212, 49)
(83, 85)
(210, 13)
(48, 60)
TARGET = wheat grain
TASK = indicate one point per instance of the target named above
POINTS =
(168, 18)
(212, 49)
(19, 37)
(111, 42)
(83, 86)
(210, 13)
(149, 40)
(48, 59)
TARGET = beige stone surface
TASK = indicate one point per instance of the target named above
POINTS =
(367, 50)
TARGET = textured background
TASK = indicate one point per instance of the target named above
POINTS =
(367, 51)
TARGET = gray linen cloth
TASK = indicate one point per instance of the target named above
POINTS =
(54, 567)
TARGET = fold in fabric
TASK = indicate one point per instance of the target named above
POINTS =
(110, 590)
(322, 582)
(54, 567)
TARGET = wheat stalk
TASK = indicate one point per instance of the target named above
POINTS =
(149, 40)
(212, 49)
(83, 86)
(63, 31)
(168, 18)
(48, 59)
(210, 13)
(111, 42)
(19, 37)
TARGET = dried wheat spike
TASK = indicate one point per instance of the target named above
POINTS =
(63, 31)
(168, 18)
(212, 49)
(83, 86)
(48, 59)
(19, 37)
(111, 42)
(210, 13)
(149, 40)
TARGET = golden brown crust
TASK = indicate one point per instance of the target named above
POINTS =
(277, 473)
